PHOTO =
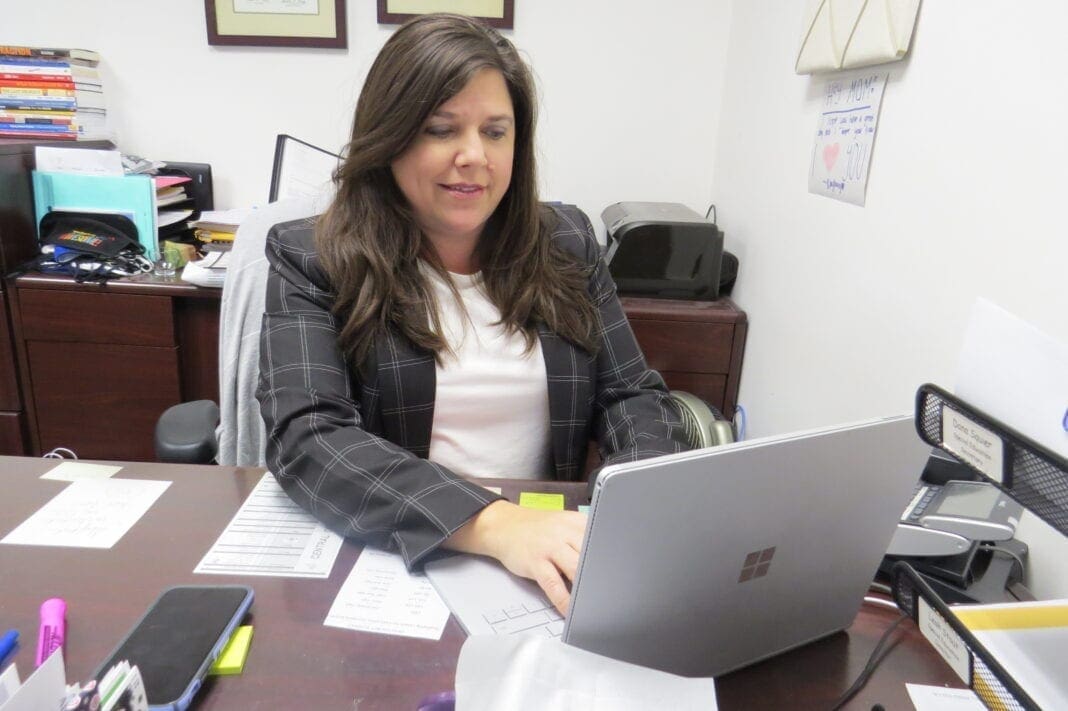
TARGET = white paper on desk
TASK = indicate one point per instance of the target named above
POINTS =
(1015, 373)
(532, 672)
(92, 513)
(941, 698)
(44, 689)
(78, 160)
(381, 596)
(271, 535)
(76, 471)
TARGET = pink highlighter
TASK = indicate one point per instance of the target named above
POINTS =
(53, 628)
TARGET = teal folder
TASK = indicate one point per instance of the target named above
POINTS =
(131, 195)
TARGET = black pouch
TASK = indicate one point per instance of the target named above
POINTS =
(90, 246)
(98, 234)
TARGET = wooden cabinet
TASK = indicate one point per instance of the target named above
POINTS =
(696, 345)
(18, 243)
(100, 363)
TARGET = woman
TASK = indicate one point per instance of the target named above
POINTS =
(438, 323)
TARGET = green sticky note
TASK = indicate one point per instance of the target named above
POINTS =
(545, 502)
(232, 659)
(584, 509)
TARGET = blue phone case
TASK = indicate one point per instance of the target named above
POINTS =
(218, 630)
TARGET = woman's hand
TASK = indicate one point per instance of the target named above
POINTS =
(541, 545)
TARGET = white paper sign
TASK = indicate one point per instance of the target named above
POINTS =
(973, 443)
(841, 153)
(945, 640)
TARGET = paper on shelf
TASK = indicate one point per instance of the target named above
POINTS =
(78, 160)
(1015, 373)
(1028, 640)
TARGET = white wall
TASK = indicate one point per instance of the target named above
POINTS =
(631, 95)
(852, 308)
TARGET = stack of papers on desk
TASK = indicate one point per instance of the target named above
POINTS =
(209, 271)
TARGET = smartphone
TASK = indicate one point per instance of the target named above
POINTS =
(175, 642)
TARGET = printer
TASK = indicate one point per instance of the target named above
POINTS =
(662, 249)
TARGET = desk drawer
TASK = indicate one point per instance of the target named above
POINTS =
(685, 346)
(77, 316)
(102, 401)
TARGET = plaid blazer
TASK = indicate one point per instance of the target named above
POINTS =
(349, 442)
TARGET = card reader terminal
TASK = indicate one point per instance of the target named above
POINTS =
(975, 510)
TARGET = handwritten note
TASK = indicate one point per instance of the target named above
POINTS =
(271, 535)
(841, 154)
(381, 596)
(92, 513)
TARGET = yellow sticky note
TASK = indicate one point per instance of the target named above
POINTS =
(545, 502)
(232, 659)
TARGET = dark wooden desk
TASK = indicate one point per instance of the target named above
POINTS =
(296, 662)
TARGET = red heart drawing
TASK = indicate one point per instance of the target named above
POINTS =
(830, 155)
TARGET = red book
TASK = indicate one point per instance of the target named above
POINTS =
(54, 78)
(36, 84)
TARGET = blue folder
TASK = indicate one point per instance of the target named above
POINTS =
(131, 195)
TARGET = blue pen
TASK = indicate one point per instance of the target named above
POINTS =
(7, 644)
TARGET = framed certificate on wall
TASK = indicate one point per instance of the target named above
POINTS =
(495, 13)
(276, 23)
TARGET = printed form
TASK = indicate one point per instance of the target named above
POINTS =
(271, 535)
(381, 596)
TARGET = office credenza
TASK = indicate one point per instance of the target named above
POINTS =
(696, 345)
(295, 662)
(18, 243)
(100, 363)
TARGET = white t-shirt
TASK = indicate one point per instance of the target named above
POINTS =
(491, 408)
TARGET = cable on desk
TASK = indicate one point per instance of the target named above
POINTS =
(869, 668)
(740, 422)
(994, 548)
(712, 211)
(60, 453)
(880, 602)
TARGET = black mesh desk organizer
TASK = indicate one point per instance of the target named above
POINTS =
(1031, 474)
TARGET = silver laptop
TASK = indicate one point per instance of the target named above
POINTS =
(704, 562)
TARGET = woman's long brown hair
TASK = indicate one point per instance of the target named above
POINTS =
(368, 239)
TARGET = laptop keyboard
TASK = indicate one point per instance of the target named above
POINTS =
(536, 617)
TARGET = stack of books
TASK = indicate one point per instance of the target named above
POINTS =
(48, 93)
(219, 227)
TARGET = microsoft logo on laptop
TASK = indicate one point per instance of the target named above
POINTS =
(756, 564)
